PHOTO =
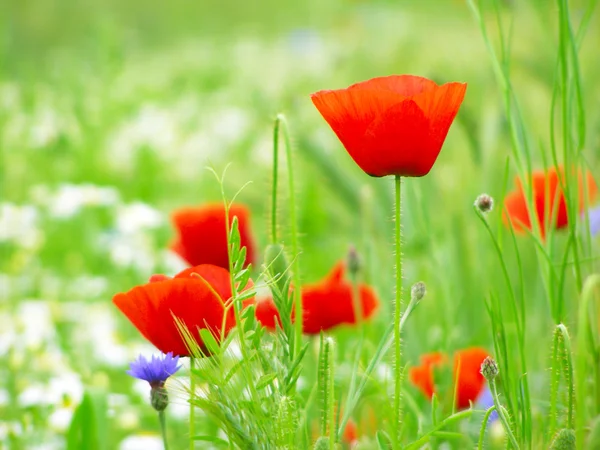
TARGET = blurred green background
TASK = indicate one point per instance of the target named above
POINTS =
(110, 112)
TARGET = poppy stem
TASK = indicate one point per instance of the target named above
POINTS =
(192, 409)
(276, 128)
(397, 316)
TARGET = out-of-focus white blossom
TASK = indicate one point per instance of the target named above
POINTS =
(135, 217)
(19, 225)
(142, 442)
(69, 199)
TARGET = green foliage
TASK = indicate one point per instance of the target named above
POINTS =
(90, 427)
(138, 98)
(564, 440)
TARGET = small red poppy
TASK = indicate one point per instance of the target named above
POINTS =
(467, 376)
(197, 296)
(394, 125)
(547, 195)
(326, 304)
(202, 236)
(350, 434)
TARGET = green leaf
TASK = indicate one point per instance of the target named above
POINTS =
(209, 341)
(89, 426)
(265, 380)
(383, 440)
(213, 439)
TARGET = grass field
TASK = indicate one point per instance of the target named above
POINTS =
(110, 114)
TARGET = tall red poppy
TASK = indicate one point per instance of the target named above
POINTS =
(202, 236)
(197, 296)
(549, 200)
(326, 304)
(394, 125)
(467, 376)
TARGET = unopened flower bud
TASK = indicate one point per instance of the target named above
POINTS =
(322, 443)
(564, 440)
(418, 291)
(489, 368)
(484, 203)
(354, 262)
(159, 398)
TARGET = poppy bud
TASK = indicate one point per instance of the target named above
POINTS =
(484, 203)
(322, 443)
(159, 398)
(489, 368)
(563, 440)
(418, 291)
(353, 261)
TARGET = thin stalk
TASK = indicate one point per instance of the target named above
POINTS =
(502, 416)
(592, 285)
(484, 424)
(163, 429)
(331, 395)
(384, 345)
(275, 179)
(192, 408)
(298, 313)
(397, 315)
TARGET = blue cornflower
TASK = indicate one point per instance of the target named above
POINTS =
(594, 215)
(156, 370)
(486, 401)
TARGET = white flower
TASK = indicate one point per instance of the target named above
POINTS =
(34, 324)
(69, 199)
(18, 224)
(142, 442)
(60, 419)
(136, 217)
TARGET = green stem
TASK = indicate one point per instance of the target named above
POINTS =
(163, 429)
(192, 409)
(294, 235)
(397, 315)
(275, 178)
(502, 416)
(484, 426)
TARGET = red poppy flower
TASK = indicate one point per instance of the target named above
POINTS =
(350, 435)
(394, 125)
(326, 304)
(547, 195)
(422, 376)
(467, 376)
(202, 235)
(197, 296)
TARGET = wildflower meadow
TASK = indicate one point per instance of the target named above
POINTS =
(327, 225)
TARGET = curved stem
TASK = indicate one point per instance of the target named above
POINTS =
(163, 429)
(397, 315)
(502, 416)
(484, 425)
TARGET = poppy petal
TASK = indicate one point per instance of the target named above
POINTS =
(441, 106)
(467, 375)
(422, 376)
(516, 211)
(216, 277)
(202, 234)
(397, 142)
(405, 85)
(349, 112)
